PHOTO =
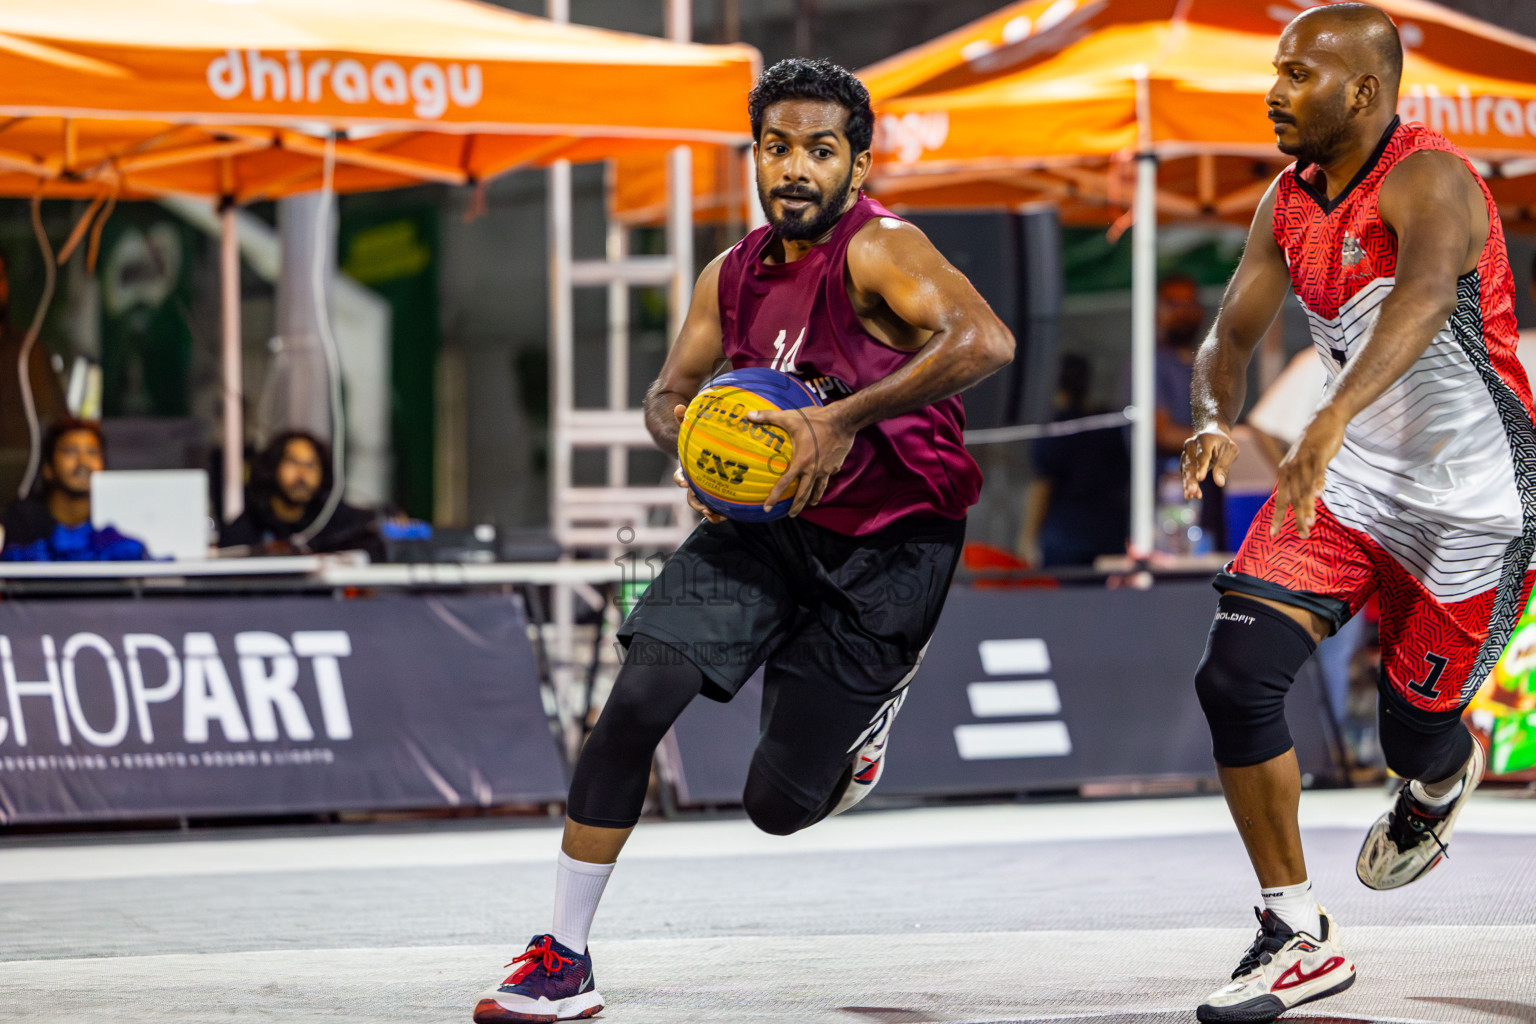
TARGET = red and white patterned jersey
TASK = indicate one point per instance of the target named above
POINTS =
(1440, 470)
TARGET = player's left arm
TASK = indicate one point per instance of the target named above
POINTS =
(1434, 207)
(892, 264)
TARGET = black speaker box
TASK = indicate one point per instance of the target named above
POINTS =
(1014, 260)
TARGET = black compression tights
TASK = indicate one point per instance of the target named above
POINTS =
(652, 689)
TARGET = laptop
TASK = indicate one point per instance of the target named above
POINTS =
(167, 509)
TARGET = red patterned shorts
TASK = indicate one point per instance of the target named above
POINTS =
(1429, 649)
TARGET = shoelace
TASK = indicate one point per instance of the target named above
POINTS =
(1266, 944)
(551, 961)
(1408, 825)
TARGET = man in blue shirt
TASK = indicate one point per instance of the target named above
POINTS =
(56, 526)
(1180, 329)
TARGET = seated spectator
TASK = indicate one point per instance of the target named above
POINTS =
(1180, 330)
(55, 525)
(1078, 504)
(290, 482)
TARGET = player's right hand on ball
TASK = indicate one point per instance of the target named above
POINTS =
(1209, 452)
(693, 499)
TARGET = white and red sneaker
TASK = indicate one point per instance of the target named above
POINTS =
(551, 983)
(1281, 970)
(1410, 839)
(868, 754)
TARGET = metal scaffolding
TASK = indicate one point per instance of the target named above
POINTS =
(618, 515)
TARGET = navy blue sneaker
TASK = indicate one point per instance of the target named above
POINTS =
(551, 983)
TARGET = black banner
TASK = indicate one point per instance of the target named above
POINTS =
(176, 707)
(1027, 690)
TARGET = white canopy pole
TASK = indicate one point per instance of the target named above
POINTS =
(756, 218)
(1143, 333)
(679, 195)
(234, 388)
(679, 237)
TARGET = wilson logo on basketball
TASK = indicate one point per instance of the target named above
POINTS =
(734, 416)
(731, 462)
(1296, 976)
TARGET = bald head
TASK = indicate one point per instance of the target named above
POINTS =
(1337, 69)
(1361, 36)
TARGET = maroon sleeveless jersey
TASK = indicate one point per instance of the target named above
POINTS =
(797, 317)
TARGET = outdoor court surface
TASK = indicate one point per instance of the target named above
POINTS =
(1090, 912)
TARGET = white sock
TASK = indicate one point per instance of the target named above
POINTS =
(578, 887)
(1434, 803)
(1296, 906)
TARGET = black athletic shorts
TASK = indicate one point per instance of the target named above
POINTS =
(838, 624)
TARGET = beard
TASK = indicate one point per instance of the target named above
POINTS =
(297, 497)
(813, 222)
(75, 488)
(1325, 132)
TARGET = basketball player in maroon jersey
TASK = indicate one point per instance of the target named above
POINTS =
(837, 601)
(1415, 479)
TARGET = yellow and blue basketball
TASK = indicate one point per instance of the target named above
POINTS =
(730, 462)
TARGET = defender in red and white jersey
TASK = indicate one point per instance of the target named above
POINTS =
(1415, 479)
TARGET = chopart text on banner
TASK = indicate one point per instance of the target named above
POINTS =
(427, 85)
(150, 671)
(191, 705)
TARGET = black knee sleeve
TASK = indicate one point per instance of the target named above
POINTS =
(614, 768)
(1421, 745)
(772, 809)
(1251, 659)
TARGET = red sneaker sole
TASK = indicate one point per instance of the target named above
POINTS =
(489, 1011)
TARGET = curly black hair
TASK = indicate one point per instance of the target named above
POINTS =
(68, 425)
(263, 484)
(799, 78)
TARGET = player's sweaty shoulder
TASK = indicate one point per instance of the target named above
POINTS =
(706, 289)
(886, 251)
(1429, 176)
(1434, 193)
(884, 238)
(711, 272)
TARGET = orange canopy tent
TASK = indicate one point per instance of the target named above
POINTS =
(228, 98)
(1127, 109)
(724, 186)
(243, 100)
(1052, 99)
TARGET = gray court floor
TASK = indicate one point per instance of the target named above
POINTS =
(1104, 912)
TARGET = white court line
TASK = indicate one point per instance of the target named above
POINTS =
(1055, 975)
(923, 828)
(1372, 935)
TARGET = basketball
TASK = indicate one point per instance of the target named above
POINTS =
(730, 462)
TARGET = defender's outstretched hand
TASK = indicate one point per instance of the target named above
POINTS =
(821, 443)
(1299, 482)
(1209, 452)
